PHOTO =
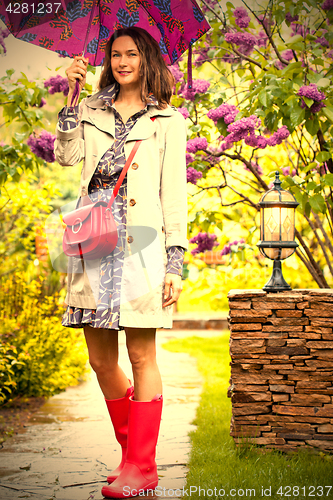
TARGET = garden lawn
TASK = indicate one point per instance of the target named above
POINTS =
(248, 472)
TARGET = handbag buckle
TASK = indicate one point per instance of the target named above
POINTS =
(107, 215)
(80, 225)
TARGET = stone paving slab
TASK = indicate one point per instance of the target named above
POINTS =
(69, 446)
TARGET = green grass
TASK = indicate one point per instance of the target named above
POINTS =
(215, 462)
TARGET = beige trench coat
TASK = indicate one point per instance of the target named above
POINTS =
(159, 165)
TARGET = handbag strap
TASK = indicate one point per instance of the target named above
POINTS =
(126, 167)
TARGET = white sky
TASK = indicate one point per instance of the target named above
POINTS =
(32, 60)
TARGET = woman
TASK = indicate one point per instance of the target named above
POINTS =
(134, 287)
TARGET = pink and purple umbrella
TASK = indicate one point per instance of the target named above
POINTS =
(83, 27)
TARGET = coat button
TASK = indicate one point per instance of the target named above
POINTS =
(132, 202)
(163, 229)
(130, 239)
(135, 166)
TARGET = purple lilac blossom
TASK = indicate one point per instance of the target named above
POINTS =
(202, 57)
(211, 3)
(184, 112)
(242, 128)
(323, 42)
(177, 74)
(227, 248)
(288, 171)
(298, 29)
(57, 84)
(327, 5)
(194, 145)
(280, 135)
(241, 17)
(291, 18)
(43, 145)
(226, 111)
(240, 38)
(266, 22)
(189, 158)
(198, 87)
(262, 39)
(311, 92)
(288, 55)
(42, 103)
(315, 107)
(193, 175)
(205, 241)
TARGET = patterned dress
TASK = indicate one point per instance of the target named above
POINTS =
(107, 172)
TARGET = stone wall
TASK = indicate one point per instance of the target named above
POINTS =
(281, 347)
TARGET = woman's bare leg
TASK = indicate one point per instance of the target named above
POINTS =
(142, 354)
(103, 357)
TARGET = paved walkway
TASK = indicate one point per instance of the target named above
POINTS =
(69, 446)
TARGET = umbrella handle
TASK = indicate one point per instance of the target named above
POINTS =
(76, 91)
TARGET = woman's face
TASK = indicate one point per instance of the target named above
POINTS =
(125, 61)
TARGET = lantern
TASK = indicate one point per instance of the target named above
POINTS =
(277, 231)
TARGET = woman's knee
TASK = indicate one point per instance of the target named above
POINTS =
(102, 366)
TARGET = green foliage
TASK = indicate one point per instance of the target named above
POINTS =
(19, 100)
(24, 208)
(38, 357)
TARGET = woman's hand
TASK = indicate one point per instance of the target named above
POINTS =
(76, 71)
(173, 281)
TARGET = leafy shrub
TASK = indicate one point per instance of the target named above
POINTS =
(38, 356)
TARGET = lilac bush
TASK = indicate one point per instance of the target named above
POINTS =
(241, 17)
(43, 145)
(204, 241)
(198, 87)
(193, 175)
(197, 144)
(227, 249)
(57, 84)
(184, 112)
(226, 111)
(269, 104)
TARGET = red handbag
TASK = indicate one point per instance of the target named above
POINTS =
(91, 230)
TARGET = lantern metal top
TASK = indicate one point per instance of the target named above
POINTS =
(277, 196)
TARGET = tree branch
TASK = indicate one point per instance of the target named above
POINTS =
(269, 35)
(311, 224)
(324, 233)
(314, 264)
(213, 11)
(247, 58)
(322, 144)
(309, 268)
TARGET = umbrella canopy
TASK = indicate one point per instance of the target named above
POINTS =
(83, 27)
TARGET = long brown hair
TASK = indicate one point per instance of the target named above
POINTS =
(155, 75)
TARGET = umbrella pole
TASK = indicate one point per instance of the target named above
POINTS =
(77, 85)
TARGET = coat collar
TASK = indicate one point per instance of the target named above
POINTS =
(102, 102)
(107, 96)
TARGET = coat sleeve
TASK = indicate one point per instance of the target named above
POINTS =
(174, 183)
(69, 144)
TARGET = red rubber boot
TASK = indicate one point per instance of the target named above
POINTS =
(139, 473)
(118, 410)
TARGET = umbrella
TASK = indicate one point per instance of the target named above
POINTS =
(83, 27)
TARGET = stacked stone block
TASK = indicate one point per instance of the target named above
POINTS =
(281, 385)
